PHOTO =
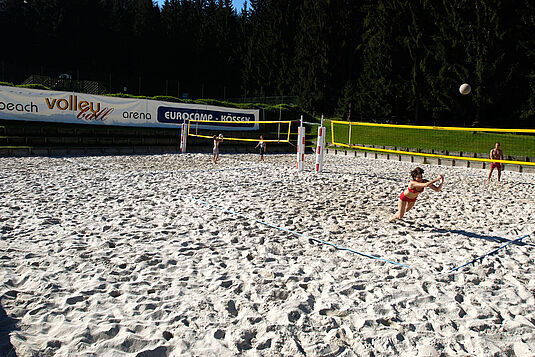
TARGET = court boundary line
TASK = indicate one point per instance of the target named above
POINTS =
(336, 246)
(494, 251)
(297, 233)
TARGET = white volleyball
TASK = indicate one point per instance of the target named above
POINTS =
(465, 89)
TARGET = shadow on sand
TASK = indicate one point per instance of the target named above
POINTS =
(7, 325)
(474, 235)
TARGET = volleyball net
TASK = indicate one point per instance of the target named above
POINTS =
(271, 131)
(456, 143)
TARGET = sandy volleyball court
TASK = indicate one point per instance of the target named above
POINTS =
(171, 255)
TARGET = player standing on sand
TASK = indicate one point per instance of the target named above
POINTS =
(496, 154)
(261, 146)
(217, 140)
(407, 199)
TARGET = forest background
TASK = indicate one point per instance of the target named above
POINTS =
(390, 61)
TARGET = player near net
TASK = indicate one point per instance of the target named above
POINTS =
(204, 129)
(261, 146)
(496, 154)
(215, 150)
(407, 199)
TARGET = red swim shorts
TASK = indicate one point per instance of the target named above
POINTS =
(406, 199)
(495, 165)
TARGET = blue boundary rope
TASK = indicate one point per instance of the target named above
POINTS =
(305, 236)
(297, 233)
(490, 253)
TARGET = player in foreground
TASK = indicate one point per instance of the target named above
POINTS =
(261, 146)
(496, 154)
(217, 141)
(407, 199)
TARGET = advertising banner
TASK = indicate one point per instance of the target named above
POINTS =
(80, 108)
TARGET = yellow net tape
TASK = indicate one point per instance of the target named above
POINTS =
(286, 139)
(451, 157)
(531, 131)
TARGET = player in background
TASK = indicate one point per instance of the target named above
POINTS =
(261, 146)
(496, 154)
(217, 141)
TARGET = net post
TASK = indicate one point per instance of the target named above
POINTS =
(320, 147)
(183, 137)
(300, 146)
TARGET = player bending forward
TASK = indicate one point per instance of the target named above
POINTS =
(407, 199)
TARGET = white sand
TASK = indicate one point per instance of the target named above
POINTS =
(116, 256)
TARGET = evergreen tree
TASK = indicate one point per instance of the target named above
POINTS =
(312, 59)
(450, 67)
(381, 87)
(473, 44)
(219, 36)
(524, 79)
(487, 51)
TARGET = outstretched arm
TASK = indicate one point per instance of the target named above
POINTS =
(439, 187)
(422, 185)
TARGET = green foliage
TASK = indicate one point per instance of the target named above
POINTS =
(525, 73)
(268, 48)
(166, 98)
(34, 86)
(214, 102)
(267, 112)
(126, 95)
(31, 86)
(416, 54)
